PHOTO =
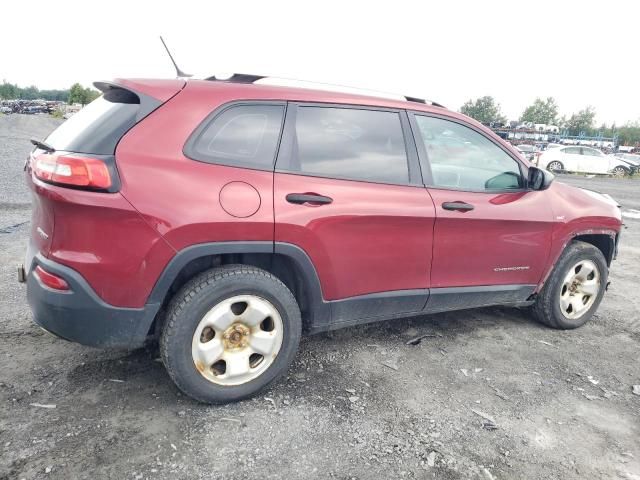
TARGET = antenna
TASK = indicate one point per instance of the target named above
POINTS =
(179, 73)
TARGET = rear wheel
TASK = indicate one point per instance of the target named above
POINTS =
(574, 289)
(555, 166)
(230, 332)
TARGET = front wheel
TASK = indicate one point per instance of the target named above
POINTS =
(575, 288)
(620, 171)
(230, 332)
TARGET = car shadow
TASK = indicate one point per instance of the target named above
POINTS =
(447, 324)
(138, 375)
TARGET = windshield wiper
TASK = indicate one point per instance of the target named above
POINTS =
(44, 146)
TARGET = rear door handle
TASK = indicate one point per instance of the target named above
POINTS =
(459, 206)
(312, 198)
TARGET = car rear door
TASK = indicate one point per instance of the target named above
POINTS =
(491, 235)
(572, 159)
(348, 193)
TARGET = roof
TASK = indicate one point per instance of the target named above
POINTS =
(314, 92)
(225, 90)
(319, 86)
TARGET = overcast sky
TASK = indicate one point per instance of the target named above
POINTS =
(581, 53)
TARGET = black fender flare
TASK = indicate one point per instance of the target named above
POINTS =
(319, 314)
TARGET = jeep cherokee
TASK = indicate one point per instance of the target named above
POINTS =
(227, 217)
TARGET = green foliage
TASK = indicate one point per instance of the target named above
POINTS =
(10, 91)
(81, 95)
(542, 111)
(581, 122)
(484, 109)
(76, 94)
(629, 134)
(57, 113)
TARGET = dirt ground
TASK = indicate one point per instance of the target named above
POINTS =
(489, 395)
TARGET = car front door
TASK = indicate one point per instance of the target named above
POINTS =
(492, 235)
(593, 161)
(348, 193)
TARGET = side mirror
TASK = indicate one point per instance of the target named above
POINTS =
(539, 179)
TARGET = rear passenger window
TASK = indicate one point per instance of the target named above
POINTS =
(241, 135)
(350, 143)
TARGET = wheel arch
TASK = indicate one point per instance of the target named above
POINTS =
(287, 262)
(605, 241)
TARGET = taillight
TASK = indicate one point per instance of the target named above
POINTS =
(75, 171)
(51, 280)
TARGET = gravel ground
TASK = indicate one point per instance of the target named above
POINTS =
(490, 394)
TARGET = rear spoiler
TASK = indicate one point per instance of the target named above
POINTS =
(151, 93)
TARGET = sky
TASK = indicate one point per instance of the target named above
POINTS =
(580, 52)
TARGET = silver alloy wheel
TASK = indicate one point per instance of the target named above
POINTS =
(237, 340)
(579, 289)
(554, 166)
(619, 172)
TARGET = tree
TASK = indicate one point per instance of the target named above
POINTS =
(581, 122)
(77, 94)
(629, 134)
(484, 109)
(91, 94)
(541, 111)
(8, 90)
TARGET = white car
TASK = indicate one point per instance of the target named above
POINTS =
(528, 151)
(632, 158)
(575, 158)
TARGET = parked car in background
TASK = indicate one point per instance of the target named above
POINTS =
(584, 160)
(530, 152)
(631, 158)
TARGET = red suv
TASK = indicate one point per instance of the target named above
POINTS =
(226, 217)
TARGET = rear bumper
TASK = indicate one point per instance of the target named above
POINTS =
(80, 315)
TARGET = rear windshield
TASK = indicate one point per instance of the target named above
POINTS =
(98, 127)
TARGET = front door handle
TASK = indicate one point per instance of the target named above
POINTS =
(312, 198)
(458, 206)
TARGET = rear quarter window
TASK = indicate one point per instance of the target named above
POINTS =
(240, 135)
(99, 126)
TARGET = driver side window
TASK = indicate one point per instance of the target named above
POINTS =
(463, 159)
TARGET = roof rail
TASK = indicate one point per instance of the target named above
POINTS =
(238, 78)
(291, 82)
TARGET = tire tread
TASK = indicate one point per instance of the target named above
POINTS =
(200, 282)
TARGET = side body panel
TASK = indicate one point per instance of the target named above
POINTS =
(181, 197)
(371, 238)
(578, 212)
(504, 240)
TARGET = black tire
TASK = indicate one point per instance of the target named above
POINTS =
(547, 308)
(197, 297)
